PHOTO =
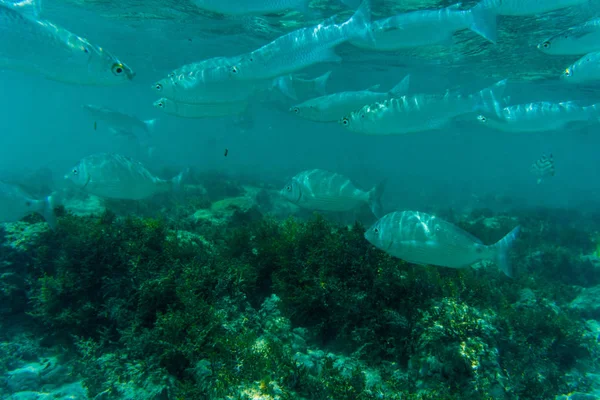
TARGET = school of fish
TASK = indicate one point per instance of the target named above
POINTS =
(225, 85)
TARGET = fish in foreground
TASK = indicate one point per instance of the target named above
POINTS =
(421, 112)
(540, 116)
(118, 121)
(428, 27)
(422, 238)
(15, 204)
(119, 177)
(318, 189)
(36, 46)
(205, 110)
(543, 167)
(332, 107)
(528, 7)
(302, 48)
(586, 69)
(580, 39)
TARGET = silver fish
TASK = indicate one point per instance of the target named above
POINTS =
(580, 39)
(119, 177)
(118, 121)
(422, 238)
(16, 204)
(586, 69)
(540, 116)
(204, 110)
(332, 107)
(36, 46)
(302, 48)
(529, 7)
(428, 27)
(249, 7)
(543, 167)
(318, 189)
(421, 112)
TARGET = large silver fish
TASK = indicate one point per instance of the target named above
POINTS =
(428, 27)
(540, 116)
(332, 107)
(16, 204)
(422, 238)
(119, 177)
(584, 70)
(36, 46)
(421, 112)
(119, 122)
(295, 87)
(580, 39)
(318, 189)
(302, 48)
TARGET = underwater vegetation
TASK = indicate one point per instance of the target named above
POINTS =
(263, 308)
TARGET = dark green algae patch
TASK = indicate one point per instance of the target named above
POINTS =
(260, 308)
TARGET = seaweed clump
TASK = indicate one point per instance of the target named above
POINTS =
(262, 308)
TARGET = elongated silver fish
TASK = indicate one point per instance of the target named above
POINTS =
(580, 39)
(540, 117)
(209, 85)
(295, 87)
(119, 177)
(249, 7)
(543, 167)
(428, 27)
(36, 46)
(16, 204)
(302, 48)
(332, 107)
(318, 189)
(422, 238)
(529, 7)
(205, 110)
(408, 114)
(586, 69)
(118, 121)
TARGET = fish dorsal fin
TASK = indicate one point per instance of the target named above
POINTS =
(454, 7)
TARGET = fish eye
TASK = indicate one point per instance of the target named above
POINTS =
(568, 72)
(158, 87)
(345, 121)
(546, 45)
(288, 188)
(362, 115)
(85, 49)
(234, 70)
(117, 68)
(296, 110)
(482, 118)
(160, 104)
(375, 230)
(75, 171)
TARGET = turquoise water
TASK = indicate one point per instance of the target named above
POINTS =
(211, 284)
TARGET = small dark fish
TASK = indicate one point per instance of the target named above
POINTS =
(226, 152)
(95, 125)
(543, 167)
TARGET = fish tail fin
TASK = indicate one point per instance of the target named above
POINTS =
(150, 124)
(487, 99)
(401, 88)
(177, 182)
(47, 206)
(285, 86)
(502, 247)
(359, 25)
(321, 83)
(484, 21)
(375, 199)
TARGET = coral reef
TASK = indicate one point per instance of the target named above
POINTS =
(234, 303)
